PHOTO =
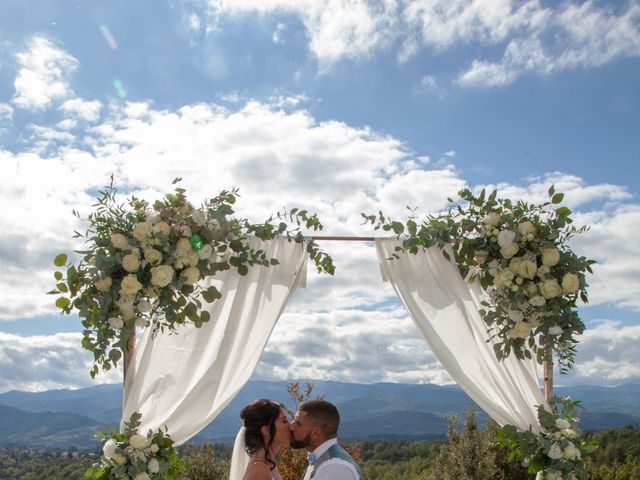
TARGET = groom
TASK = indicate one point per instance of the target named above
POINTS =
(315, 428)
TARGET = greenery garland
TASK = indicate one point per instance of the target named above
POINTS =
(520, 255)
(142, 264)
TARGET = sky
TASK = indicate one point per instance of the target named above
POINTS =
(337, 106)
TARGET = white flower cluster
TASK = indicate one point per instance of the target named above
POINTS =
(132, 458)
(160, 252)
(524, 279)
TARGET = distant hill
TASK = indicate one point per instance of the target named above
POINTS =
(377, 411)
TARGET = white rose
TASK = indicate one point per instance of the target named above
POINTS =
(190, 275)
(555, 330)
(153, 466)
(185, 230)
(505, 276)
(206, 252)
(119, 459)
(509, 250)
(119, 241)
(550, 256)
(183, 246)
(153, 256)
(550, 288)
(543, 271)
(555, 452)
(130, 285)
(143, 306)
(553, 475)
(520, 330)
(562, 423)
(142, 476)
(161, 276)
(571, 452)
(570, 433)
(515, 315)
(161, 227)
(116, 323)
(154, 448)
(514, 264)
(493, 267)
(131, 263)
(142, 231)
(537, 301)
(570, 283)
(491, 219)
(127, 311)
(109, 448)
(505, 237)
(191, 259)
(526, 228)
(199, 217)
(104, 284)
(534, 322)
(153, 218)
(141, 322)
(527, 269)
(531, 289)
(139, 442)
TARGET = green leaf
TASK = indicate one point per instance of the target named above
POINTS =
(243, 270)
(60, 260)
(114, 355)
(211, 294)
(557, 198)
(58, 275)
(62, 302)
(205, 316)
(563, 211)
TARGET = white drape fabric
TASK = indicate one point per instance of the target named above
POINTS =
(183, 380)
(239, 458)
(446, 311)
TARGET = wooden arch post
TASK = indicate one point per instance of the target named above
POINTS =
(128, 351)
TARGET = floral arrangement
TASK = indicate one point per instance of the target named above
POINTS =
(131, 455)
(519, 254)
(557, 452)
(142, 264)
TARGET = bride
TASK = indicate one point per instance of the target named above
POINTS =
(265, 430)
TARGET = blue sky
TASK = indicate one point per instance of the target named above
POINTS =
(338, 106)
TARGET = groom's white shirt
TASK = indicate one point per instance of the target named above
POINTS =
(332, 469)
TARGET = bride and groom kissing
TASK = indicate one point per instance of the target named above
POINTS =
(266, 429)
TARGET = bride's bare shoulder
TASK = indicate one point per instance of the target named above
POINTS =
(257, 471)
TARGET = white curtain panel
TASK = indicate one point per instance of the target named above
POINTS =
(446, 311)
(183, 380)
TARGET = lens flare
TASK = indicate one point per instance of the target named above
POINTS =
(108, 37)
(119, 86)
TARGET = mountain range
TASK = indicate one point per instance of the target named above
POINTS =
(66, 418)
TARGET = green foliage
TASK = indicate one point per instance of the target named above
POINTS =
(558, 450)
(141, 264)
(129, 454)
(205, 462)
(519, 254)
(473, 453)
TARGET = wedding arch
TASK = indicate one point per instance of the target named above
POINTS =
(218, 285)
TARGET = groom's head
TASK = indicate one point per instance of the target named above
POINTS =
(315, 422)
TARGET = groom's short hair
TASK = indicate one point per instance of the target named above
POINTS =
(322, 414)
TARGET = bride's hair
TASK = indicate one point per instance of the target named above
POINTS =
(255, 416)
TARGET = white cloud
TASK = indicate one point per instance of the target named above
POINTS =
(532, 37)
(279, 156)
(83, 109)
(43, 75)
(607, 354)
(47, 362)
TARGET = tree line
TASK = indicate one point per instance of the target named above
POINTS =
(470, 452)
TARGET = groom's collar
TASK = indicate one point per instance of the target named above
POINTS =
(323, 447)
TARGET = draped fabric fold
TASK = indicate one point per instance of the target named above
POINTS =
(446, 311)
(184, 380)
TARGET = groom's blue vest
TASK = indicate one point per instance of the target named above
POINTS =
(336, 451)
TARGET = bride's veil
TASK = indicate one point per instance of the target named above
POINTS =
(239, 458)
